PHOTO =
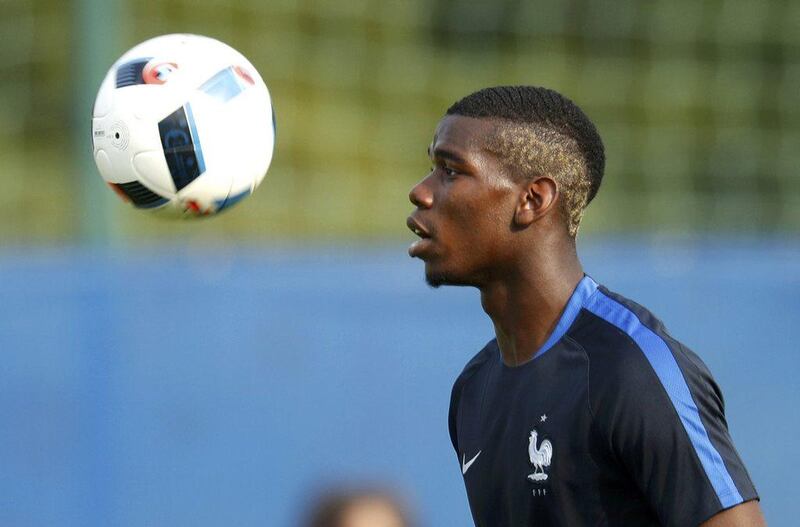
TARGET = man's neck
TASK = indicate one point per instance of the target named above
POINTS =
(525, 306)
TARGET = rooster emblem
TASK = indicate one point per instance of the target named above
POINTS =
(540, 456)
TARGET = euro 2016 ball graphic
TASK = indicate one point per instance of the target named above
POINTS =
(183, 124)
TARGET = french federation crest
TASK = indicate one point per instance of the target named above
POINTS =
(540, 455)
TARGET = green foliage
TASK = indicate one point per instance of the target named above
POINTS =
(696, 102)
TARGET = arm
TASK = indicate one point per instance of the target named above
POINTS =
(745, 515)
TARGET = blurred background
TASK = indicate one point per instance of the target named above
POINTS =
(217, 371)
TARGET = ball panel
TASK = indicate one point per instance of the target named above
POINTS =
(181, 145)
(151, 168)
(141, 196)
(130, 73)
(105, 98)
(236, 128)
(232, 200)
(224, 85)
(103, 164)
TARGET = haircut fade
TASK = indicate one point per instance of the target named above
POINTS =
(543, 133)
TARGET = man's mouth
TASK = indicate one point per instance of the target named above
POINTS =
(418, 247)
(417, 228)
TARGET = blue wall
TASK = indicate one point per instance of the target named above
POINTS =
(181, 386)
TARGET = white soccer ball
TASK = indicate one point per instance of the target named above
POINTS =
(183, 124)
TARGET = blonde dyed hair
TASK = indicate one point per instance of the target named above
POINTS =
(542, 133)
(531, 150)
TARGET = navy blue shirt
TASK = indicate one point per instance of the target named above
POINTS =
(613, 422)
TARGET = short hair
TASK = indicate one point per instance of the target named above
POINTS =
(543, 133)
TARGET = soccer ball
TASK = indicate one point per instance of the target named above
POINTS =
(183, 124)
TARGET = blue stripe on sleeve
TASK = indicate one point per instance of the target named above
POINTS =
(671, 377)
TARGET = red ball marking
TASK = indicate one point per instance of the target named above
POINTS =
(158, 72)
(118, 191)
(244, 74)
(194, 207)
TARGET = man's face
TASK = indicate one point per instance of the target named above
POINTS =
(465, 206)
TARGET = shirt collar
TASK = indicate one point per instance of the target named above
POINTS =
(583, 291)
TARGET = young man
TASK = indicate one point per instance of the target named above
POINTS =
(583, 410)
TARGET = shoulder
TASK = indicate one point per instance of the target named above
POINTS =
(624, 341)
(476, 364)
(470, 373)
(659, 409)
(637, 369)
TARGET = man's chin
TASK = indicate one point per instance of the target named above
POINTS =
(436, 279)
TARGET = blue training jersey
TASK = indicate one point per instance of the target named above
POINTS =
(613, 422)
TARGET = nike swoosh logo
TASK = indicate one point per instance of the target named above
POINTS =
(465, 466)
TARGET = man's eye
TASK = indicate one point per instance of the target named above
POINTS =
(449, 171)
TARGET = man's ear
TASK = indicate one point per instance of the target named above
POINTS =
(535, 200)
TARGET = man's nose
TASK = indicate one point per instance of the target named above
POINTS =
(421, 195)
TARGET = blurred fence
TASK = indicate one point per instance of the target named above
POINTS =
(696, 102)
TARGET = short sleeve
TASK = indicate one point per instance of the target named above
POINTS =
(664, 420)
